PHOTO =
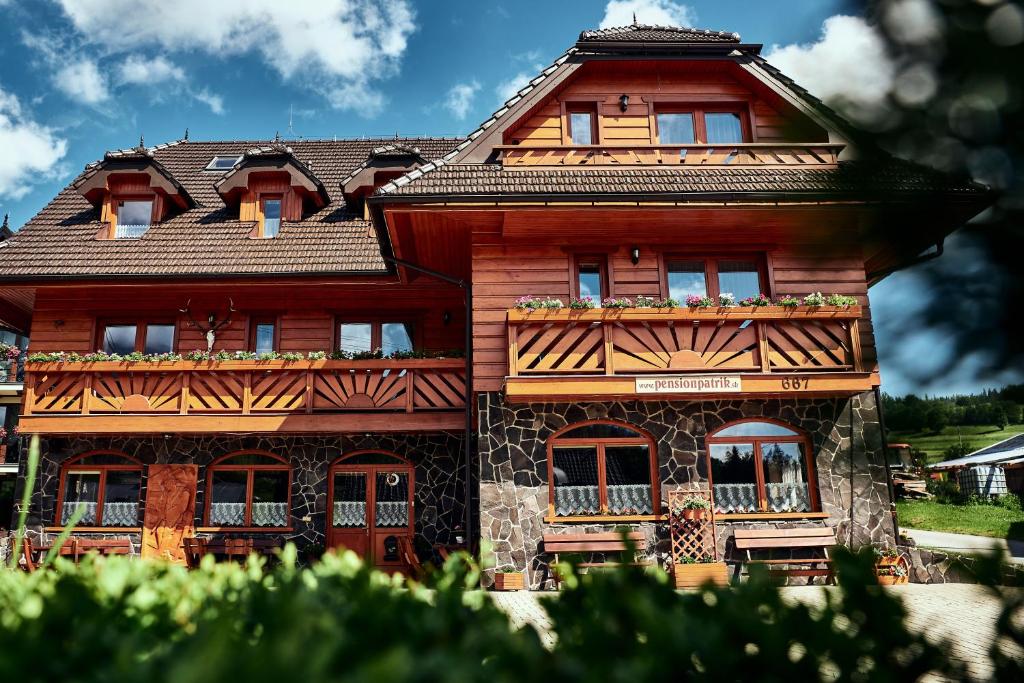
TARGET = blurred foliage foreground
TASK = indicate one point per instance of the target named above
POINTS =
(121, 620)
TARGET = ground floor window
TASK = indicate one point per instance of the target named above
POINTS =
(106, 485)
(761, 466)
(602, 468)
(249, 490)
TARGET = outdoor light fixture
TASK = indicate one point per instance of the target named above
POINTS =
(634, 253)
(446, 317)
(623, 102)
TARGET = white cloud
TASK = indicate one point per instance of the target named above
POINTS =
(848, 66)
(342, 45)
(39, 149)
(82, 81)
(139, 70)
(507, 89)
(460, 99)
(653, 12)
(214, 102)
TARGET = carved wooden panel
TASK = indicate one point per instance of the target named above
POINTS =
(685, 345)
(170, 511)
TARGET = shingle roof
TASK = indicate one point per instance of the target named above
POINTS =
(208, 239)
(849, 178)
(644, 33)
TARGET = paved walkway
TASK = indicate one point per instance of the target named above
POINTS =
(962, 614)
(964, 543)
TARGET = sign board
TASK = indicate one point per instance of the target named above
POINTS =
(689, 384)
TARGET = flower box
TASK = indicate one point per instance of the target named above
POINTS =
(698, 574)
(892, 571)
(511, 581)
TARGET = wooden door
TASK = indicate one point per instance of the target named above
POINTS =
(371, 507)
(170, 511)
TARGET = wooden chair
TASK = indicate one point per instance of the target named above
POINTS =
(408, 554)
(28, 553)
(76, 548)
(194, 551)
(812, 539)
(603, 542)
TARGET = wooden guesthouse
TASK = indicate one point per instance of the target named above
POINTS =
(646, 273)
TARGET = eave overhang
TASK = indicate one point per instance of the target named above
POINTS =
(95, 182)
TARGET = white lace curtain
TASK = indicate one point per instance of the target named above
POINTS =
(114, 514)
(623, 499)
(782, 497)
(263, 514)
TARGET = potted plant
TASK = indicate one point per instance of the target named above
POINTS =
(3, 445)
(695, 572)
(694, 507)
(508, 579)
(890, 567)
(9, 354)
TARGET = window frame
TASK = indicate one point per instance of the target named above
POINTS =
(219, 465)
(211, 167)
(141, 324)
(255, 320)
(643, 439)
(698, 110)
(116, 198)
(711, 269)
(589, 108)
(802, 437)
(261, 199)
(70, 466)
(376, 329)
(602, 261)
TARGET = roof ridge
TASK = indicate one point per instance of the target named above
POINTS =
(597, 32)
(361, 138)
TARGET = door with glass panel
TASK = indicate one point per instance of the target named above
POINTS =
(371, 506)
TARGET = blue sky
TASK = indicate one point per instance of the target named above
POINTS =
(78, 77)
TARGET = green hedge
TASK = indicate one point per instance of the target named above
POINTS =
(122, 620)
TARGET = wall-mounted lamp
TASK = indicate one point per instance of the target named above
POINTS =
(634, 255)
(446, 317)
(623, 102)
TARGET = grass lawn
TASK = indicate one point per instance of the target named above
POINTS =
(980, 520)
(935, 444)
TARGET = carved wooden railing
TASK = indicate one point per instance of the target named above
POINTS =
(244, 387)
(739, 154)
(635, 341)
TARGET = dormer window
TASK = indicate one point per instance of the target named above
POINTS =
(223, 163)
(270, 212)
(582, 126)
(134, 216)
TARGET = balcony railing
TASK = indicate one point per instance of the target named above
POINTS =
(194, 392)
(725, 340)
(740, 154)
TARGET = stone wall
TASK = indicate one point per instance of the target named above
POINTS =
(512, 448)
(439, 492)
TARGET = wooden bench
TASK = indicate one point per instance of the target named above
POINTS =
(602, 542)
(818, 538)
(74, 549)
(227, 548)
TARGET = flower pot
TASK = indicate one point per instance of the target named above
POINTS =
(886, 580)
(889, 579)
(694, 513)
(696, 575)
(508, 582)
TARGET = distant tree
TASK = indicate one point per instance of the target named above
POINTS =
(958, 450)
(999, 417)
(937, 417)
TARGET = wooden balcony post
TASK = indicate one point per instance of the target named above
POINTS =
(185, 397)
(762, 345)
(513, 349)
(609, 362)
(858, 361)
(409, 390)
(309, 390)
(246, 393)
(30, 393)
(86, 393)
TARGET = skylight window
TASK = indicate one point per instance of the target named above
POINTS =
(223, 163)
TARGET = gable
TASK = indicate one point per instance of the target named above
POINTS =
(657, 85)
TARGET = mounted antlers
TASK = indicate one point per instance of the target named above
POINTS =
(212, 325)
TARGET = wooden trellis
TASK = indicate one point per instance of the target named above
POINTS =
(691, 538)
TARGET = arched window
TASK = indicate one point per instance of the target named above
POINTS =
(761, 466)
(249, 490)
(602, 468)
(106, 484)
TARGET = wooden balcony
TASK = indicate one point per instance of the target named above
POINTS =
(244, 396)
(819, 155)
(674, 353)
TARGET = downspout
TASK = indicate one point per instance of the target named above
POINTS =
(885, 459)
(468, 450)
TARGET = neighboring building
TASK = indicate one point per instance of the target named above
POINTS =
(646, 163)
(1002, 462)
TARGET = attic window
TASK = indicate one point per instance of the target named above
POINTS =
(223, 163)
(134, 217)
